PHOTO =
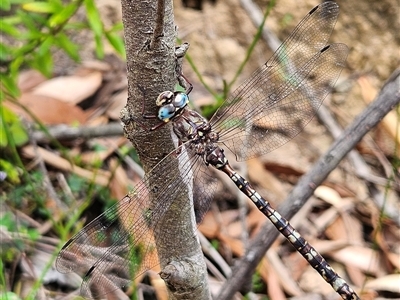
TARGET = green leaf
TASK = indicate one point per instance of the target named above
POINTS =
(44, 48)
(29, 22)
(17, 2)
(9, 83)
(117, 27)
(3, 137)
(42, 7)
(10, 170)
(99, 47)
(9, 296)
(5, 52)
(11, 122)
(33, 234)
(5, 5)
(8, 28)
(43, 63)
(15, 68)
(96, 25)
(11, 20)
(62, 16)
(19, 134)
(117, 42)
(94, 18)
(59, 3)
(76, 25)
(69, 47)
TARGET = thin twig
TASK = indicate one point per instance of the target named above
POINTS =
(46, 180)
(64, 132)
(361, 168)
(256, 17)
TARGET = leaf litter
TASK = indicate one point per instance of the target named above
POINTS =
(341, 221)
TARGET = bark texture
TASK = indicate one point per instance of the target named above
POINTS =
(150, 47)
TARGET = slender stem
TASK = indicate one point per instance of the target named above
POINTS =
(252, 45)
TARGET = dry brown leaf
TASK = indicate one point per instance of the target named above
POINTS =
(343, 191)
(259, 175)
(326, 219)
(235, 245)
(387, 237)
(346, 228)
(117, 102)
(329, 195)
(48, 110)
(71, 89)
(215, 287)
(332, 197)
(108, 147)
(391, 121)
(269, 275)
(28, 79)
(234, 229)
(229, 216)
(355, 274)
(255, 219)
(290, 162)
(98, 120)
(283, 274)
(311, 281)
(363, 258)
(264, 268)
(388, 283)
(297, 262)
(291, 168)
(151, 254)
(367, 90)
(209, 227)
(394, 258)
(100, 177)
(159, 285)
(119, 182)
(325, 246)
(90, 65)
(268, 124)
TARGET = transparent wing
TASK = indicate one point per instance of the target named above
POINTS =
(119, 245)
(275, 98)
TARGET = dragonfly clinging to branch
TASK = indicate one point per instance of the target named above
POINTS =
(282, 95)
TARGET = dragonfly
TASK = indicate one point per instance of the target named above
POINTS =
(273, 105)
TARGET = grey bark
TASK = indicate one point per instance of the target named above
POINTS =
(150, 46)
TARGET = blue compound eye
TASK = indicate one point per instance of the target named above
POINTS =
(166, 112)
(180, 100)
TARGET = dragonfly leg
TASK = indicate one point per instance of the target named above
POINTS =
(180, 53)
(187, 84)
(126, 117)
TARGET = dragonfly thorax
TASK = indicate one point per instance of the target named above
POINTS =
(171, 104)
(191, 127)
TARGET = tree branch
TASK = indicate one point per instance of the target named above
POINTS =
(64, 132)
(150, 43)
(388, 98)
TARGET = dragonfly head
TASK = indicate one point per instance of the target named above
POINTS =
(171, 103)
